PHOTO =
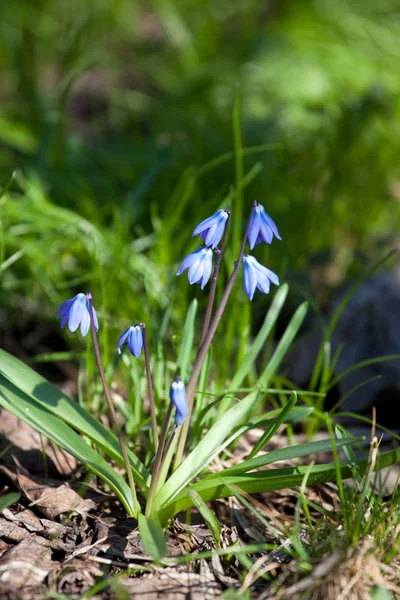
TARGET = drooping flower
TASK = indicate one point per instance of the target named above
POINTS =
(199, 264)
(133, 338)
(76, 312)
(211, 230)
(262, 228)
(256, 275)
(177, 394)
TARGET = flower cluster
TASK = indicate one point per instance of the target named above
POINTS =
(76, 312)
(79, 311)
(262, 228)
(199, 262)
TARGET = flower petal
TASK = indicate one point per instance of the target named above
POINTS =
(122, 339)
(207, 223)
(85, 323)
(254, 228)
(266, 233)
(189, 260)
(96, 322)
(76, 312)
(135, 341)
(249, 277)
(273, 277)
(269, 222)
(64, 318)
(195, 272)
(64, 307)
(207, 268)
(177, 394)
(263, 282)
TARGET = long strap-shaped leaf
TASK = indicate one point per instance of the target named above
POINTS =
(284, 344)
(214, 441)
(273, 479)
(259, 341)
(36, 415)
(274, 426)
(288, 453)
(40, 390)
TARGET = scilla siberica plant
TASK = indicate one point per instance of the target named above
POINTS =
(166, 490)
(79, 311)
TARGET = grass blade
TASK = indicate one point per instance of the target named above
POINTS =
(186, 346)
(207, 514)
(274, 426)
(214, 441)
(258, 344)
(288, 453)
(274, 479)
(284, 344)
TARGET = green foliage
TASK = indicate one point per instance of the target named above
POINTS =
(121, 123)
(121, 141)
(152, 536)
(8, 500)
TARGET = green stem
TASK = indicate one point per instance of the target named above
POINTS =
(158, 460)
(150, 387)
(166, 463)
(192, 383)
(112, 409)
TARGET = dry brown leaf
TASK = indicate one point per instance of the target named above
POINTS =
(12, 531)
(26, 448)
(172, 584)
(26, 564)
(51, 499)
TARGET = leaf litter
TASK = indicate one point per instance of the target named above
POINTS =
(63, 537)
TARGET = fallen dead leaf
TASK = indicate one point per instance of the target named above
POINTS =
(26, 564)
(25, 445)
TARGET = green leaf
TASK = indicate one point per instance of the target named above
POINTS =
(43, 421)
(207, 514)
(212, 443)
(381, 593)
(295, 416)
(43, 392)
(152, 536)
(185, 350)
(360, 365)
(272, 479)
(4, 190)
(284, 344)
(283, 454)
(274, 426)
(9, 499)
(258, 344)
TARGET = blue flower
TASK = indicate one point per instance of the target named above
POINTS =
(133, 337)
(211, 230)
(199, 264)
(177, 394)
(75, 312)
(262, 228)
(256, 275)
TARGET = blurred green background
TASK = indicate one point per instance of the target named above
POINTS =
(126, 123)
